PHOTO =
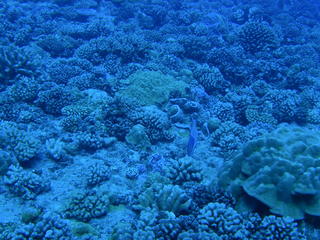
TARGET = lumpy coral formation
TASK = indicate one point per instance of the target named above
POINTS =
(281, 170)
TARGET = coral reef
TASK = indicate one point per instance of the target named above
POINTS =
(47, 227)
(84, 206)
(166, 120)
(255, 37)
(97, 173)
(15, 62)
(222, 220)
(25, 184)
(22, 144)
(184, 170)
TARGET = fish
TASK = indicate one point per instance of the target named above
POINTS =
(193, 138)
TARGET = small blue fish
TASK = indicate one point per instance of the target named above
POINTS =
(193, 137)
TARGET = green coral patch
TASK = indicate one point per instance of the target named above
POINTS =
(151, 87)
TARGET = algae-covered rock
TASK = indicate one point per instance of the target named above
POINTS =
(80, 229)
(5, 161)
(138, 137)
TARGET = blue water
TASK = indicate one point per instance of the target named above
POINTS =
(149, 119)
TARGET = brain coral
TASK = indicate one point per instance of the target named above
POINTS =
(151, 87)
(281, 170)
